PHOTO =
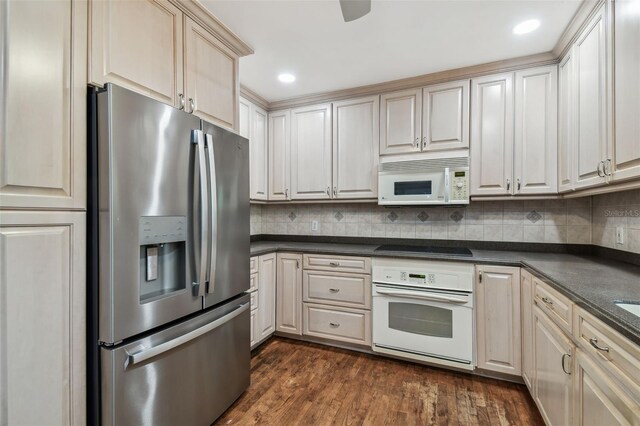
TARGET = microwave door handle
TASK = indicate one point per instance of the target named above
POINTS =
(198, 140)
(447, 185)
(420, 295)
(146, 354)
(213, 228)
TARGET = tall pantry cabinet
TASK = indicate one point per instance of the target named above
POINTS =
(42, 218)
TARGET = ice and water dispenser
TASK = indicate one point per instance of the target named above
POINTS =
(162, 256)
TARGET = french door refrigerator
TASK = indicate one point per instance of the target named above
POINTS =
(168, 257)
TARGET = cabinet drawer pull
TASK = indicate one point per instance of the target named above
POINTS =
(334, 324)
(181, 100)
(563, 369)
(334, 290)
(417, 142)
(547, 301)
(508, 184)
(594, 343)
(334, 264)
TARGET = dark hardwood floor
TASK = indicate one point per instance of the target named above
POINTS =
(297, 383)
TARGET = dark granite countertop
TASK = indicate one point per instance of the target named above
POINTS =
(592, 282)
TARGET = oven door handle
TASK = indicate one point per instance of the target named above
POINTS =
(418, 295)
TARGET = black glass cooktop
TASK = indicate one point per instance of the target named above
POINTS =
(451, 251)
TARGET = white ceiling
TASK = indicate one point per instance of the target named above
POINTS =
(398, 39)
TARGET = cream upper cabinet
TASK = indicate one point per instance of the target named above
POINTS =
(42, 265)
(211, 77)
(137, 45)
(526, 309)
(43, 109)
(536, 131)
(445, 122)
(553, 358)
(355, 148)
(400, 122)
(258, 150)
(566, 122)
(244, 116)
(279, 166)
(492, 135)
(266, 296)
(592, 108)
(289, 293)
(311, 159)
(498, 319)
(626, 145)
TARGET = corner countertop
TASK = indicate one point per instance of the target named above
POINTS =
(593, 283)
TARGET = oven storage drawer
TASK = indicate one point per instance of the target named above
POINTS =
(343, 324)
(333, 288)
(322, 262)
(188, 373)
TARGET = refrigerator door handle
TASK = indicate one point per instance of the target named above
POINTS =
(213, 227)
(147, 354)
(199, 141)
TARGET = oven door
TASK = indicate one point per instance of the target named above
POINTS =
(411, 188)
(430, 325)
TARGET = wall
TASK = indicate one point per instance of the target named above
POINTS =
(613, 210)
(553, 221)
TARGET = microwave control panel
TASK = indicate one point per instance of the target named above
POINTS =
(460, 185)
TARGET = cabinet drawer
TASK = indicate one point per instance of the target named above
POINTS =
(253, 265)
(322, 262)
(558, 307)
(254, 300)
(617, 354)
(343, 324)
(253, 282)
(334, 288)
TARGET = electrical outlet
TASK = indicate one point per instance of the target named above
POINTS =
(620, 235)
(314, 226)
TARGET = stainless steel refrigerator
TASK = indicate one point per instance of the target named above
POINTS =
(168, 263)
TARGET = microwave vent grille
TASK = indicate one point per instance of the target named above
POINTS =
(424, 165)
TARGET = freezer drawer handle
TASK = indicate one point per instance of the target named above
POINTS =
(419, 295)
(144, 355)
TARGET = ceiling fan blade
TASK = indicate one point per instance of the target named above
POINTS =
(354, 9)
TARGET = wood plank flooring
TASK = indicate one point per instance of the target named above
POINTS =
(299, 383)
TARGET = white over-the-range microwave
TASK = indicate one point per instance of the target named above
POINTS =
(439, 181)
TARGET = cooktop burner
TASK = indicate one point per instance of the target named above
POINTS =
(451, 251)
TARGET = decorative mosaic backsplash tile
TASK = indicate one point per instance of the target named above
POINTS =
(553, 221)
(610, 211)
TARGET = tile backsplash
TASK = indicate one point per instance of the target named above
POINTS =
(552, 221)
(610, 211)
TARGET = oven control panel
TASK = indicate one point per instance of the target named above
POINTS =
(459, 186)
(423, 273)
(418, 278)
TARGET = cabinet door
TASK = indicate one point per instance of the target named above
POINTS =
(492, 135)
(400, 122)
(626, 146)
(553, 353)
(211, 77)
(536, 131)
(267, 296)
(498, 319)
(244, 115)
(355, 148)
(526, 308)
(289, 293)
(446, 116)
(591, 84)
(42, 265)
(137, 45)
(599, 400)
(258, 153)
(254, 327)
(279, 155)
(311, 152)
(43, 108)
(566, 122)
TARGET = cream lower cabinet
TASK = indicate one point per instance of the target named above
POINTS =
(263, 298)
(498, 327)
(289, 293)
(526, 309)
(43, 108)
(154, 48)
(553, 359)
(42, 265)
(253, 125)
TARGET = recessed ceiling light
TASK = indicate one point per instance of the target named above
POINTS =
(287, 78)
(526, 26)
